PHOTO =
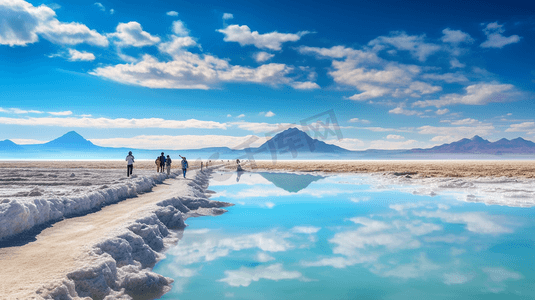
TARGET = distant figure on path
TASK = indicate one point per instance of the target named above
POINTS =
(168, 165)
(157, 162)
(162, 163)
(201, 165)
(239, 166)
(184, 165)
(130, 164)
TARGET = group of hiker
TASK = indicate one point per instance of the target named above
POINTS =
(162, 163)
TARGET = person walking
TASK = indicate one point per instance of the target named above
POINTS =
(157, 162)
(162, 163)
(184, 163)
(129, 164)
(168, 165)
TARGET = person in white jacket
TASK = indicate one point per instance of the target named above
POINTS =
(129, 164)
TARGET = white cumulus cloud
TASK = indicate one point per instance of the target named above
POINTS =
(179, 28)
(441, 112)
(476, 94)
(176, 46)
(23, 23)
(244, 36)
(172, 13)
(528, 127)
(262, 56)
(416, 45)
(131, 34)
(192, 71)
(373, 76)
(402, 111)
(456, 36)
(495, 39)
(307, 85)
(100, 6)
(75, 55)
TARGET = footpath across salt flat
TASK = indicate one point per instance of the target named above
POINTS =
(107, 254)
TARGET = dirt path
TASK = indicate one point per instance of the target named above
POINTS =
(63, 247)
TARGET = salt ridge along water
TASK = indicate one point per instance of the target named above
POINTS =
(31, 197)
(119, 265)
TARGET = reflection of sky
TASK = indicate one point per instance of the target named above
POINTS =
(335, 239)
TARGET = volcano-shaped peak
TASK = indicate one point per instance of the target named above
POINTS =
(9, 145)
(71, 140)
(479, 139)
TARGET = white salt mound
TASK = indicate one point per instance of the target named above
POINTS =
(35, 197)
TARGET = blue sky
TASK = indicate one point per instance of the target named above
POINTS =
(181, 75)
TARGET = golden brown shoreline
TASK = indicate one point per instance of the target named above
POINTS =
(423, 168)
(451, 168)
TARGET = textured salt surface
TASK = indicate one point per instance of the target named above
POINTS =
(507, 191)
(32, 197)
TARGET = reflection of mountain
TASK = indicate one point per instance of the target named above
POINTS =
(292, 183)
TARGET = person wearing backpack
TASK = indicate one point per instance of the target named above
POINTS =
(184, 163)
(130, 164)
(162, 163)
(168, 162)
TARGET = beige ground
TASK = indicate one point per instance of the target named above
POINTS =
(447, 168)
(144, 165)
(63, 247)
(435, 168)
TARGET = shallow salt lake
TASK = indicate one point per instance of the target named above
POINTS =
(305, 236)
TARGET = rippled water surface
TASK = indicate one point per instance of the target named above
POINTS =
(295, 236)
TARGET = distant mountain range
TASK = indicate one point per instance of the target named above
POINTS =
(291, 143)
(478, 145)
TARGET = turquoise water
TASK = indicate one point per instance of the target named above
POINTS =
(340, 237)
